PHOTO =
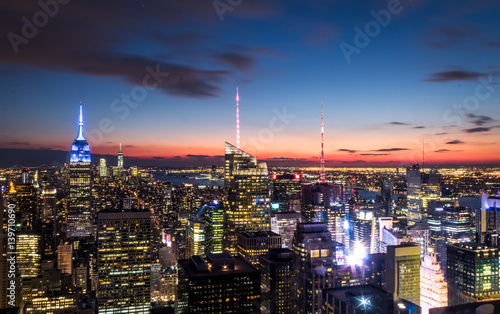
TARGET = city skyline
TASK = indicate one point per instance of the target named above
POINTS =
(162, 80)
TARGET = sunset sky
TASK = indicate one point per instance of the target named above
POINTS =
(160, 77)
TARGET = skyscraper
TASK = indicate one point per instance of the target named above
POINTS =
(284, 224)
(433, 288)
(248, 207)
(196, 237)
(313, 263)
(80, 215)
(103, 170)
(28, 254)
(64, 258)
(472, 271)
(120, 158)
(286, 193)
(276, 270)
(403, 271)
(422, 189)
(414, 183)
(218, 284)
(487, 217)
(214, 224)
(124, 262)
(252, 245)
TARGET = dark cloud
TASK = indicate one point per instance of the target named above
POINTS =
(397, 123)
(198, 156)
(128, 146)
(287, 158)
(454, 75)
(238, 61)
(477, 130)
(368, 154)
(419, 127)
(479, 119)
(454, 142)
(70, 43)
(442, 133)
(441, 150)
(442, 37)
(352, 151)
(389, 149)
(159, 158)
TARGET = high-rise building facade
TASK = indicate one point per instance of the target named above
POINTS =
(488, 216)
(120, 158)
(414, 186)
(218, 284)
(248, 201)
(472, 273)
(422, 188)
(196, 237)
(103, 170)
(29, 255)
(80, 215)
(284, 224)
(276, 270)
(252, 245)
(124, 262)
(313, 264)
(65, 258)
(433, 287)
(214, 227)
(286, 192)
(403, 271)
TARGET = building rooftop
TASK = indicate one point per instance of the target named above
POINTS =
(194, 269)
(312, 227)
(473, 246)
(259, 234)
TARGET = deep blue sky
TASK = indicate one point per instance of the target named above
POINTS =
(407, 86)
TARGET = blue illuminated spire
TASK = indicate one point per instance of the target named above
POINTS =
(80, 150)
(80, 126)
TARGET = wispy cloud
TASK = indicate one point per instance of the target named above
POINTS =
(479, 119)
(398, 123)
(477, 130)
(389, 149)
(454, 75)
(352, 151)
(368, 154)
(454, 142)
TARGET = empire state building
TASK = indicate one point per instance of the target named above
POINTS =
(80, 215)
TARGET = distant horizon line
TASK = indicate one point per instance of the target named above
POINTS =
(33, 158)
